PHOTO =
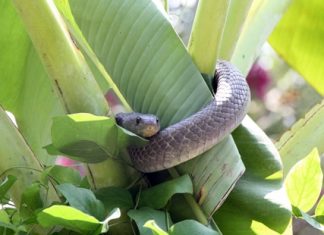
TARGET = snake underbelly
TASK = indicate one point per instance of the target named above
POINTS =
(201, 131)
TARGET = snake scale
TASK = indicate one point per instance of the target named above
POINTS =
(196, 134)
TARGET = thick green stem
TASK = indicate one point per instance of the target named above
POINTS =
(64, 63)
(206, 33)
(237, 14)
(70, 73)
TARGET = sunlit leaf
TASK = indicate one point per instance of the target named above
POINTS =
(68, 217)
(298, 38)
(304, 182)
(259, 195)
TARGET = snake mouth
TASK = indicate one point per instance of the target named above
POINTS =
(150, 130)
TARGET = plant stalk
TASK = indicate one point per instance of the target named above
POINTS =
(64, 63)
(70, 74)
(206, 34)
(237, 15)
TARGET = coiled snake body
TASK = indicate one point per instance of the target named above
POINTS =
(196, 134)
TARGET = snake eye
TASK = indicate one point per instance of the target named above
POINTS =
(138, 120)
(157, 120)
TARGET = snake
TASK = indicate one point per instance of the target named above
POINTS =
(195, 134)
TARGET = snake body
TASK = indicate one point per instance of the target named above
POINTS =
(196, 134)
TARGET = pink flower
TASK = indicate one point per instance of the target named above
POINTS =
(64, 161)
(258, 80)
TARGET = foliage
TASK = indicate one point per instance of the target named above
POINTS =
(73, 53)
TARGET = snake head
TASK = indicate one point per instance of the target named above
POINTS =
(144, 125)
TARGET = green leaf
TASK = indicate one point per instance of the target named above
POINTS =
(142, 215)
(214, 174)
(89, 138)
(146, 36)
(114, 197)
(311, 221)
(82, 199)
(68, 217)
(151, 67)
(155, 228)
(6, 184)
(157, 197)
(259, 196)
(190, 227)
(303, 136)
(63, 175)
(298, 38)
(304, 182)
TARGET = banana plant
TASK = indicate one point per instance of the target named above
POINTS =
(60, 59)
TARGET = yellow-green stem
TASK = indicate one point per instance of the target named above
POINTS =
(62, 60)
(206, 33)
(237, 15)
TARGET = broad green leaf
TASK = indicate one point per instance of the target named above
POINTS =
(259, 196)
(155, 228)
(83, 200)
(214, 174)
(190, 227)
(16, 155)
(144, 57)
(304, 135)
(6, 184)
(298, 38)
(113, 197)
(304, 182)
(22, 72)
(89, 138)
(261, 19)
(142, 215)
(158, 196)
(62, 175)
(152, 69)
(70, 218)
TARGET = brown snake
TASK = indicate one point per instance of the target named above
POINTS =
(196, 134)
